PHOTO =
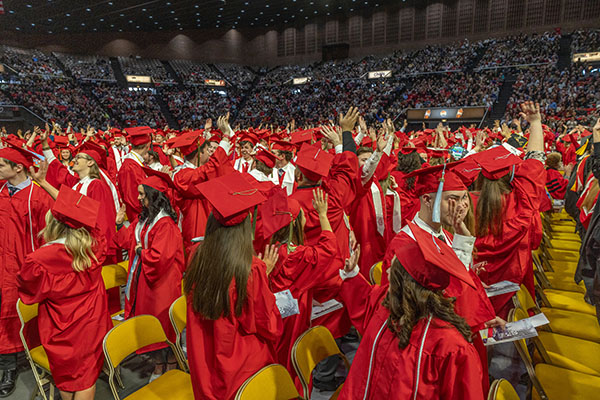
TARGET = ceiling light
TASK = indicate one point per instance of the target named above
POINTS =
(88, 9)
(68, 15)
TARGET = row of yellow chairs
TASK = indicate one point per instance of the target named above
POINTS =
(564, 362)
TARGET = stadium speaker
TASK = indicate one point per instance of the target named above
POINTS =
(337, 51)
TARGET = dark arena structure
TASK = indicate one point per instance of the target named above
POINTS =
(299, 199)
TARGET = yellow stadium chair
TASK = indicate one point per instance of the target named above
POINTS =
(562, 229)
(501, 389)
(573, 237)
(552, 280)
(564, 384)
(561, 255)
(137, 333)
(567, 245)
(178, 316)
(568, 323)
(273, 382)
(571, 301)
(375, 273)
(312, 347)
(114, 275)
(37, 356)
(564, 351)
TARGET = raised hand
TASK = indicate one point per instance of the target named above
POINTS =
(320, 201)
(331, 134)
(457, 213)
(208, 124)
(362, 124)
(270, 258)
(39, 175)
(530, 111)
(348, 120)
(352, 262)
(120, 214)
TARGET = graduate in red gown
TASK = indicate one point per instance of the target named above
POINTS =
(232, 319)
(156, 260)
(23, 207)
(300, 269)
(506, 208)
(131, 173)
(64, 277)
(413, 343)
(199, 167)
(87, 181)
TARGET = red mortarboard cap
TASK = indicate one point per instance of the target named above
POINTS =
(431, 262)
(139, 135)
(74, 209)
(439, 153)
(266, 157)
(188, 142)
(299, 137)
(407, 150)
(232, 197)
(496, 162)
(95, 151)
(428, 179)
(248, 137)
(314, 163)
(283, 146)
(468, 170)
(157, 180)
(18, 155)
(62, 142)
(277, 212)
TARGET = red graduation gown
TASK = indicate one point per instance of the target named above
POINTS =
(409, 202)
(508, 256)
(72, 317)
(194, 207)
(449, 366)
(223, 353)
(98, 190)
(19, 231)
(301, 271)
(160, 271)
(129, 178)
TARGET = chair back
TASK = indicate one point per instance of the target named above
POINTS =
(178, 317)
(26, 312)
(523, 300)
(272, 382)
(312, 347)
(501, 389)
(375, 273)
(133, 334)
(113, 275)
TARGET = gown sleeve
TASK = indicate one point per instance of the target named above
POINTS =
(58, 175)
(129, 178)
(33, 282)
(461, 376)
(187, 180)
(261, 315)
(361, 300)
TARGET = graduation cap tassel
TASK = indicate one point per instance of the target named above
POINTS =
(437, 204)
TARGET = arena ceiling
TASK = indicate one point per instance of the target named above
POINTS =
(54, 16)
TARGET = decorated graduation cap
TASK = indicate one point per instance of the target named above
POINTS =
(188, 142)
(232, 197)
(266, 157)
(496, 162)
(74, 209)
(313, 162)
(278, 211)
(139, 135)
(431, 262)
(20, 156)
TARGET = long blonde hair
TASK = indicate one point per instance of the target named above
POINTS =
(78, 242)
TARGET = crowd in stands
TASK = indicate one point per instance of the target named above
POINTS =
(585, 40)
(146, 66)
(194, 73)
(133, 107)
(572, 94)
(88, 67)
(58, 99)
(237, 75)
(521, 49)
(29, 62)
(192, 106)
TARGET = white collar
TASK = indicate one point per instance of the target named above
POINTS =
(423, 225)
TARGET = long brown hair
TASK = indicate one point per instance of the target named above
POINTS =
(490, 205)
(409, 302)
(225, 255)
